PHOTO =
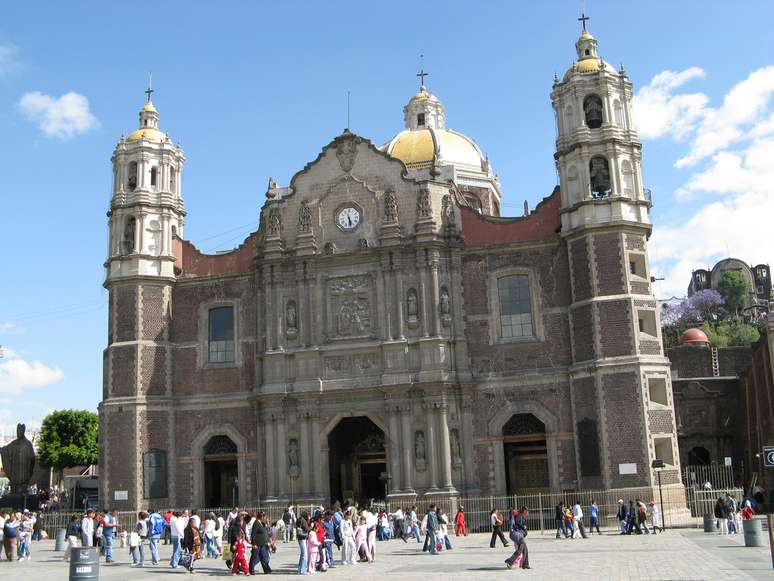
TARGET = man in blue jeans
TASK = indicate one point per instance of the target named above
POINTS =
(109, 533)
(432, 527)
(156, 524)
(177, 523)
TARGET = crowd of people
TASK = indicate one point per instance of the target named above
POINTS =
(48, 499)
(17, 530)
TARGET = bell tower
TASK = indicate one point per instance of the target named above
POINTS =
(146, 214)
(621, 386)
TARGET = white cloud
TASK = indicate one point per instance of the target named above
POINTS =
(9, 59)
(18, 374)
(733, 148)
(9, 328)
(63, 117)
(659, 112)
(737, 225)
(742, 108)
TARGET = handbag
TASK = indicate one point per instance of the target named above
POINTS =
(186, 560)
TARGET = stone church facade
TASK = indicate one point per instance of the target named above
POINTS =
(384, 331)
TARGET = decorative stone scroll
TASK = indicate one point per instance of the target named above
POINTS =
(274, 228)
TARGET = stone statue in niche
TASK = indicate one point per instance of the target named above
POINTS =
(390, 207)
(329, 249)
(412, 306)
(456, 449)
(275, 223)
(293, 453)
(444, 306)
(419, 446)
(447, 210)
(600, 176)
(363, 243)
(291, 319)
(304, 218)
(424, 209)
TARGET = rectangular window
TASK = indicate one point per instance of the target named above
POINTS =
(515, 306)
(154, 464)
(657, 388)
(663, 450)
(421, 119)
(221, 335)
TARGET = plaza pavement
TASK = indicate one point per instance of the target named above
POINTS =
(674, 555)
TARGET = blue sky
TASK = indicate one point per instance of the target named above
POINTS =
(256, 89)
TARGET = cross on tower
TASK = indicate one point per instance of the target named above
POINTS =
(583, 19)
(422, 74)
(149, 91)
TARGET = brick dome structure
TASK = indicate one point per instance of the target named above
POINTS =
(695, 337)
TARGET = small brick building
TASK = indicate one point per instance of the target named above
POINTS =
(384, 330)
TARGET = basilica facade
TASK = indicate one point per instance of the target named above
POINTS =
(384, 331)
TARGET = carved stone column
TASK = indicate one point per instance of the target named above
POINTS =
(283, 489)
(408, 448)
(432, 444)
(443, 427)
(316, 487)
(399, 296)
(268, 465)
(424, 312)
(382, 307)
(301, 303)
(304, 484)
(393, 443)
(279, 309)
(315, 309)
(268, 283)
(436, 294)
(470, 482)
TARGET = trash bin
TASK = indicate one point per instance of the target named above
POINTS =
(61, 541)
(753, 535)
(709, 523)
(84, 563)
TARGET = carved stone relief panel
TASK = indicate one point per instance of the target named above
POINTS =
(348, 313)
(355, 364)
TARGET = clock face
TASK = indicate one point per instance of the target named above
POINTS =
(348, 218)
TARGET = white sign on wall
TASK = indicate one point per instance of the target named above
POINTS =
(121, 495)
(627, 469)
(728, 461)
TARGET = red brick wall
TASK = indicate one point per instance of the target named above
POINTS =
(583, 333)
(615, 328)
(581, 273)
(607, 253)
(623, 407)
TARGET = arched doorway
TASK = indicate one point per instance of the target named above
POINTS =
(526, 455)
(698, 456)
(221, 484)
(357, 460)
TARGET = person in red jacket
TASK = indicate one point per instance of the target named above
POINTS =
(459, 523)
(238, 555)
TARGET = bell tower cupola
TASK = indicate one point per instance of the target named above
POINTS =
(146, 207)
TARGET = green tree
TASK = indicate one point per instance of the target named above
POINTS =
(734, 288)
(68, 438)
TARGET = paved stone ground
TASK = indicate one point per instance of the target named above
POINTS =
(674, 555)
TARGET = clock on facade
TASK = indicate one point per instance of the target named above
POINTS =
(348, 218)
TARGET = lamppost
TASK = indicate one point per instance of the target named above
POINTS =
(658, 465)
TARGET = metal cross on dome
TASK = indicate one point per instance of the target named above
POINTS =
(149, 91)
(583, 19)
(422, 74)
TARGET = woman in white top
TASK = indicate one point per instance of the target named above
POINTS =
(219, 526)
(348, 550)
(209, 535)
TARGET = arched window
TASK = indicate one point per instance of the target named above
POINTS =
(628, 178)
(569, 119)
(592, 108)
(421, 119)
(618, 112)
(154, 176)
(132, 181)
(599, 171)
(127, 241)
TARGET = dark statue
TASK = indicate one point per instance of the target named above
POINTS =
(18, 461)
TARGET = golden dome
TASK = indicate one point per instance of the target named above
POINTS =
(586, 35)
(149, 134)
(417, 148)
(149, 107)
(588, 66)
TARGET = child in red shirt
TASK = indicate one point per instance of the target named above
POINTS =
(238, 555)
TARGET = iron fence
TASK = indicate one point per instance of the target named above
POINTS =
(681, 507)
